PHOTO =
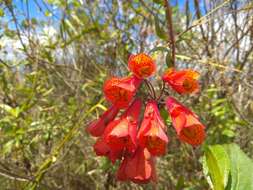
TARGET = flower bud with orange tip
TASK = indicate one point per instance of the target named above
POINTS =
(188, 127)
(138, 168)
(121, 133)
(120, 91)
(96, 128)
(152, 131)
(142, 65)
(183, 82)
(102, 149)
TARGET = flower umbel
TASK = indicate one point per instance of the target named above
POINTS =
(137, 147)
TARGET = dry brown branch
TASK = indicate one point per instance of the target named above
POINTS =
(170, 30)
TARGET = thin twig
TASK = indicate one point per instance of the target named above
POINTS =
(203, 18)
(151, 89)
(205, 38)
(13, 176)
(162, 92)
(170, 30)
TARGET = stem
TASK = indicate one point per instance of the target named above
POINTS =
(162, 92)
(170, 30)
(151, 88)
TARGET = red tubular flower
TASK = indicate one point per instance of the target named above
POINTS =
(152, 131)
(141, 65)
(139, 168)
(97, 127)
(187, 125)
(120, 91)
(102, 149)
(183, 82)
(122, 133)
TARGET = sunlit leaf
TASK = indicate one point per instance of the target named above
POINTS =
(228, 167)
(218, 166)
(241, 168)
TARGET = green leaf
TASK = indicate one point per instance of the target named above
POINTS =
(6, 108)
(12, 111)
(183, 57)
(218, 165)
(9, 33)
(228, 167)
(34, 21)
(241, 168)
(25, 23)
(168, 60)
(180, 183)
(160, 2)
(8, 146)
(1, 12)
(159, 48)
(159, 31)
(206, 170)
(228, 133)
(48, 13)
(164, 114)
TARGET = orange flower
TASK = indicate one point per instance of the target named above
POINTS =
(152, 131)
(96, 128)
(139, 168)
(187, 125)
(141, 65)
(183, 82)
(121, 133)
(120, 91)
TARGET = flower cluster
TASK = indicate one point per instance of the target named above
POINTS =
(137, 143)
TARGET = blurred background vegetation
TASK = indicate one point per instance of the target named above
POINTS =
(55, 56)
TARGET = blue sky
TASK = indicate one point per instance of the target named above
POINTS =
(34, 7)
(34, 10)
